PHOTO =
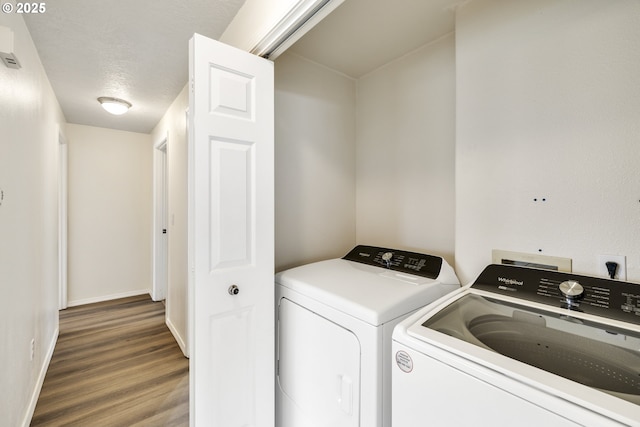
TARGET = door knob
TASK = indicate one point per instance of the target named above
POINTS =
(234, 290)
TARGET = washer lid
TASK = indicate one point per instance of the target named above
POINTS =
(593, 354)
(372, 294)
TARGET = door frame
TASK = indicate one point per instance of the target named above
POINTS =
(63, 185)
(160, 222)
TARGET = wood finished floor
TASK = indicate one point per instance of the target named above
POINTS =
(115, 364)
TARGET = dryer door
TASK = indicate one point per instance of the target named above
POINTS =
(318, 370)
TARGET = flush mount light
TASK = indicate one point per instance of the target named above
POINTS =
(114, 105)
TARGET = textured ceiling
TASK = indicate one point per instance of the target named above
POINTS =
(136, 50)
(361, 35)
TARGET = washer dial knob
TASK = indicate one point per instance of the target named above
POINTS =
(386, 257)
(571, 289)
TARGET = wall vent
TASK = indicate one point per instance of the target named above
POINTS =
(10, 60)
(532, 260)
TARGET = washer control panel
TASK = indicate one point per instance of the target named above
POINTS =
(397, 260)
(601, 297)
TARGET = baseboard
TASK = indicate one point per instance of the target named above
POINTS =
(40, 381)
(107, 297)
(177, 337)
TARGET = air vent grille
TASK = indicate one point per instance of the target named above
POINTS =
(10, 60)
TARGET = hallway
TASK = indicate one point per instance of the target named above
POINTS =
(115, 364)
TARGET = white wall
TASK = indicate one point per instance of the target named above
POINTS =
(405, 152)
(173, 126)
(373, 168)
(547, 107)
(315, 160)
(110, 213)
(30, 119)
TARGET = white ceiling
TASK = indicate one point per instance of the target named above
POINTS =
(137, 50)
(362, 35)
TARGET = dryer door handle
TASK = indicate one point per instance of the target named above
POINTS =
(346, 394)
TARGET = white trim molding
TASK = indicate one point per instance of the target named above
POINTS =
(108, 297)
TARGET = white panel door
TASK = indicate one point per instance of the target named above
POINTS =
(231, 236)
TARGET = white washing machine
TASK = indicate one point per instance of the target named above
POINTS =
(335, 320)
(521, 347)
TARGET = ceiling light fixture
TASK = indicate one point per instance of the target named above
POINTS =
(114, 105)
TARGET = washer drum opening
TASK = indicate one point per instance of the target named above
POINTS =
(587, 361)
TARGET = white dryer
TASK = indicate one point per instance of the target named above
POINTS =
(335, 320)
(522, 347)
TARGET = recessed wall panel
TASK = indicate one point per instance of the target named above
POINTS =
(233, 391)
(231, 93)
(232, 189)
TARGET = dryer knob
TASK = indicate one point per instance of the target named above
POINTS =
(571, 289)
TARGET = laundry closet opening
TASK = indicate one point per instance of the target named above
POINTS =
(365, 132)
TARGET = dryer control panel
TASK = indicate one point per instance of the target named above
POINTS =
(593, 295)
(397, 260)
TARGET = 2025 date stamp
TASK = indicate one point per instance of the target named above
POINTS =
(24, 7)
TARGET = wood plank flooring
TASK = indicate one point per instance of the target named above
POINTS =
(115, 364)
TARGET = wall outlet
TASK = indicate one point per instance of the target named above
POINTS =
(621, 271)
(32, 349)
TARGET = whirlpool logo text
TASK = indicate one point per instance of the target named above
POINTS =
(510, 281)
